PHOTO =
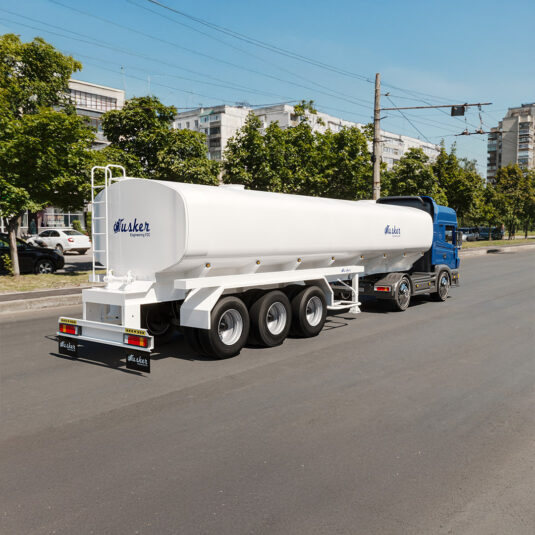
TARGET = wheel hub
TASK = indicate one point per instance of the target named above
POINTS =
(276, 318)
(230, 327)
(314, 311)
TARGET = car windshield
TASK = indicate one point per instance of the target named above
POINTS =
(72, 233)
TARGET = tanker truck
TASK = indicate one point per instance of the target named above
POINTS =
(227, 266)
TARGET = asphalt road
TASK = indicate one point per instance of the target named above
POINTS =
(387, 423)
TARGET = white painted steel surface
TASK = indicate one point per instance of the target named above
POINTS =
(159, 229)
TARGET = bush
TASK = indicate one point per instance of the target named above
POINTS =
(5, 261)
(77, 225)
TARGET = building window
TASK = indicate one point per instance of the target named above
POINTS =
(179, 125)
(93, 101)
(196, 123)
(187, 124)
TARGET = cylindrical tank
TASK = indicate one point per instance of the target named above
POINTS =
(185, 230)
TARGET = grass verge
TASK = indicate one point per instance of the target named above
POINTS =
(28, 283)
(493, 243)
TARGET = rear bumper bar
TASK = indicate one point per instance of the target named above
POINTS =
(106, 333)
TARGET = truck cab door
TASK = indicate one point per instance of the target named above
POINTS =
(445, 246)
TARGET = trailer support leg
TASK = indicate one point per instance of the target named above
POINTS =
(355, 286)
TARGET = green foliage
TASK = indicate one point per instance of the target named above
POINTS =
(33, 75)
(298, 160)
(515, 192)
(7, 264)
(88, 223)
(42, 150)
(42, 161)
(77, 225)
(413, 175)
(143, 141)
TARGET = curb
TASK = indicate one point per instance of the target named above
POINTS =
(17, 305)
(477, 251)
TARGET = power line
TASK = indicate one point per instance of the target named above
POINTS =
(247, 52)
(409, 121)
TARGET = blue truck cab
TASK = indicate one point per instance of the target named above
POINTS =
(446, 239)
(437, 269)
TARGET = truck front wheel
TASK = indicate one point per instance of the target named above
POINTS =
(229, 329)
(309, 310)
(402, 297)
(443, 287)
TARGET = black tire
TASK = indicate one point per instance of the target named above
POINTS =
(443, 287)
(157, 320)
(271, 319)
(402, 297)
(44, 267)
(82, 251)
(59, 249)
(229, 329)
(309, 310)
(192, 338)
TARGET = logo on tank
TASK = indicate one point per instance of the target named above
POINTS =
(136, 229)
(392, 231)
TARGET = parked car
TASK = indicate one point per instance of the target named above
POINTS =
(469, 233)
(497, 233)
(62, 240)
(32, 259)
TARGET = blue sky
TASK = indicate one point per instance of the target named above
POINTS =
(450, 52)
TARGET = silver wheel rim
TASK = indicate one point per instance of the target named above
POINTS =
(230, 327)
(404, 294)
(45, 267)
(314, 311)
(443, 287)
(276, 318)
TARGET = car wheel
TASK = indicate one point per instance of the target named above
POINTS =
(82, 251)
(59, 249)
(45, 267)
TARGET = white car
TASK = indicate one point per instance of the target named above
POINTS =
(62, 239)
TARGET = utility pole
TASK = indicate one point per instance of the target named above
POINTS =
(377, 147)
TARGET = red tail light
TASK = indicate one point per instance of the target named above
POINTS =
(68, 329)
(70, 239)
(132, 340)
(382, 288)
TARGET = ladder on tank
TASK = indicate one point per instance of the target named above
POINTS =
(95, 190)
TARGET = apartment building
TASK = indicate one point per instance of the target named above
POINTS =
(512, 141)
(93, 101)
(221, 122)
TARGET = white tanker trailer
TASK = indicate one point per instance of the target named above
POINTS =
(228, 266)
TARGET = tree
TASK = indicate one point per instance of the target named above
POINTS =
(517, 192)
(413, 175)
(142, 129)
(459, 181)
(299, 160)
(42, 150)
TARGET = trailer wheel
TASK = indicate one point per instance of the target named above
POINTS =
(157, 319)
(271, 319)
(402, 298)
(229, 329)
(443, 287)
(309, 310)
